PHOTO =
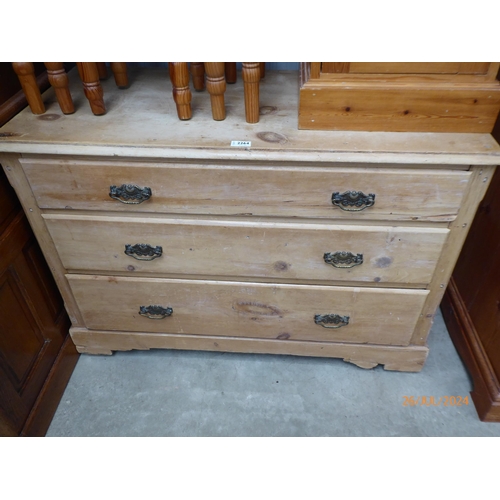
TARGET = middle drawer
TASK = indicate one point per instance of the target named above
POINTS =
(289, 251)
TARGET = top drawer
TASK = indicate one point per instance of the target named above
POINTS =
(291, 191)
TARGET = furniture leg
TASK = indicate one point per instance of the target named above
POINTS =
(119, 70)
(216, 86)
(262, 70)
(103, 70)
(182, 93)
(25, 71)
(92, 87)
(59, 80)
(198, 75)
(251, 78)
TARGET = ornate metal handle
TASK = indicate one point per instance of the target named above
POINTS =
(331, 320)
(353, 201)
(130, 194)
(155, 312)
(343, 259)
(142, 251)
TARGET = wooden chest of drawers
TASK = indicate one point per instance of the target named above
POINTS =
(162, 235)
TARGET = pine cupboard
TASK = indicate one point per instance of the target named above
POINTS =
(399, 97)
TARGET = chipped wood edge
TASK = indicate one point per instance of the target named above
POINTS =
(18, 181)
(408, 359)
(459, 228)
(367, 365)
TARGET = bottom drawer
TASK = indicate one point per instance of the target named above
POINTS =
(253, 310)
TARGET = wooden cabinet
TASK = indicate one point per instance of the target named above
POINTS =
(399, 97)
(37, 355)
(161, 234)
(471, 305)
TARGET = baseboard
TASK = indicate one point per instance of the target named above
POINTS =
(486, 391)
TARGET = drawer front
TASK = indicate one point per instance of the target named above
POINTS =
(318, 252)
(253, 310)
(390, 194)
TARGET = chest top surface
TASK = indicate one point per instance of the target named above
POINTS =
(142, 122)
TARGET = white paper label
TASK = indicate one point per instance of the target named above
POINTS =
(241, 144)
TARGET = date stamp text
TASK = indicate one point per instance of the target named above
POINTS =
(435, 401)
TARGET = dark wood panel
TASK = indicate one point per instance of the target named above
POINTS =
(37, 355)
(12, 99)
(486, 390)
(47, 401)
(9, 204)
(471, 305)
(30, 338)
(10, 82)
(479, 256)
(20, 339)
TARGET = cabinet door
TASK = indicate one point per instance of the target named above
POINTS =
(32, 319)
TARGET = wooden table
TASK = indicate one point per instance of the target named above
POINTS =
(316, 243)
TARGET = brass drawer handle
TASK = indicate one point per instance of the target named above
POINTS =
(331, 320)
(353, 201)
(143, 251)
(130, 194)
(155, 312)
(343, 259)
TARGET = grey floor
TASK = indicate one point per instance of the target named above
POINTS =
(186, 393)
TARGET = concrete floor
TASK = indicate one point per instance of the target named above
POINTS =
(187, 393)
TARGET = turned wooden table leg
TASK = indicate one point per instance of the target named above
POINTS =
(251, 77)
(262, 70)
(179, 75)
(92, 87)
(25, 71)
(230, 69)
(102, 70)
(119, 70)
(216, 86)
(198, 75)
(59, 80)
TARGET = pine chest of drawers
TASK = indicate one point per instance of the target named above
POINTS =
(160, 234)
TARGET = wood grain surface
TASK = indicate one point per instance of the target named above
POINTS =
(146, 126)
(252, 249)
(274, 190)
(59, 80)
(253, 310)
(409, 359)
(400, 97)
